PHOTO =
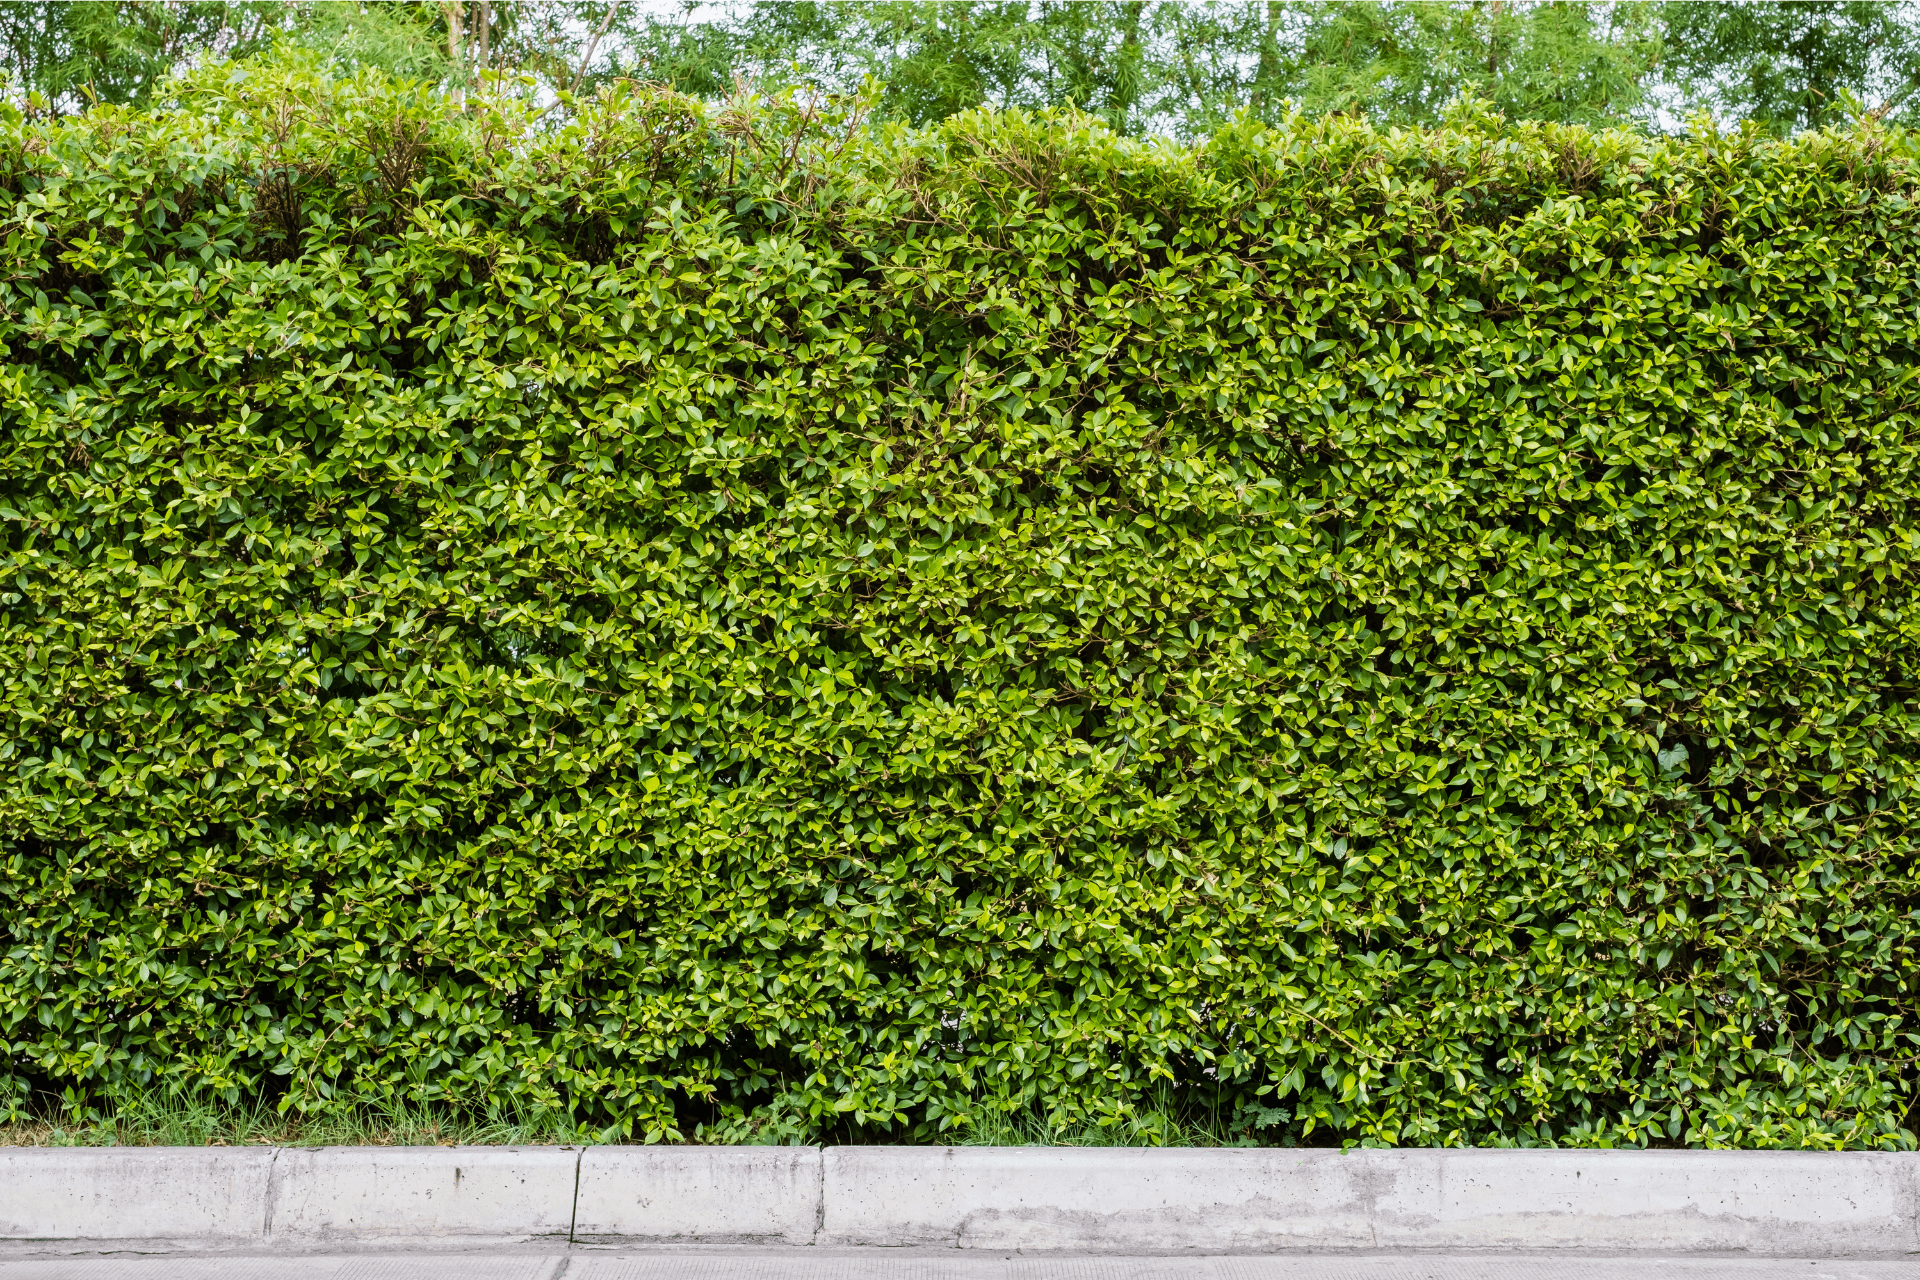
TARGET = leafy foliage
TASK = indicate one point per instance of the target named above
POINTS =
(1184, 67)
(1406, 63)
(68, 54)
(121, 51)
(1796, 66)
(723, 623)
(1178, 68)
(1172, 66)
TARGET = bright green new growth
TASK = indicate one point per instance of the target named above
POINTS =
(746, 622)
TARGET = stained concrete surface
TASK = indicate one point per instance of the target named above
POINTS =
(946, 1264)
(1061, 1201)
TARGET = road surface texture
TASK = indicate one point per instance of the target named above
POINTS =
(912, 1264)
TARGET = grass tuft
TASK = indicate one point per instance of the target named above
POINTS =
(1168, 1121)
(156, 1120)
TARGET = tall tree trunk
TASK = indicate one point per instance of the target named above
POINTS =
(456, 11)
(1267, 73)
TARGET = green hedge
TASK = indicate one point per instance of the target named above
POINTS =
(689, 619)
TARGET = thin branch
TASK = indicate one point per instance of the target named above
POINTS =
(1892, 104)
(613, 7)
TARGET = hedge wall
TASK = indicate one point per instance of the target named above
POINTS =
(691, 618)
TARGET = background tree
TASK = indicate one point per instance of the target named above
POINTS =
(1794, 65)
(1145, 66)
(406, 39)
(1403, 63)
(1179, 68)
(120, 50)
(934, 57)
(457, 41)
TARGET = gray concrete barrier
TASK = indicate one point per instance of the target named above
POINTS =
(1265, 1200)
(452, 1195)
(214, 1196)
(704, 1195)
(1810, 1204)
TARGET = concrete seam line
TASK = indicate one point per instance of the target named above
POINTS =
(1913, 1191)
(272, 1195)
(820, 1196)
(573, 1219)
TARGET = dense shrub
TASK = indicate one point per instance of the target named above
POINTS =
(703, 619)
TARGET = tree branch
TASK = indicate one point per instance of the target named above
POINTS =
(613, 7)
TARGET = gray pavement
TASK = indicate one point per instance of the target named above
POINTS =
(946, 1264)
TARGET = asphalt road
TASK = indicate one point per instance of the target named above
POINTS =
(907, 1264)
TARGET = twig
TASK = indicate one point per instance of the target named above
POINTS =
(613, 7)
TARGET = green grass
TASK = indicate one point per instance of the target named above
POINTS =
(1170, 1121)
(173, 1121)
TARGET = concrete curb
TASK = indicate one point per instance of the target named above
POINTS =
(196, 1197)
(1806, 1204)
(699, 1195)
(393, 1195)
(1263, 1201)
